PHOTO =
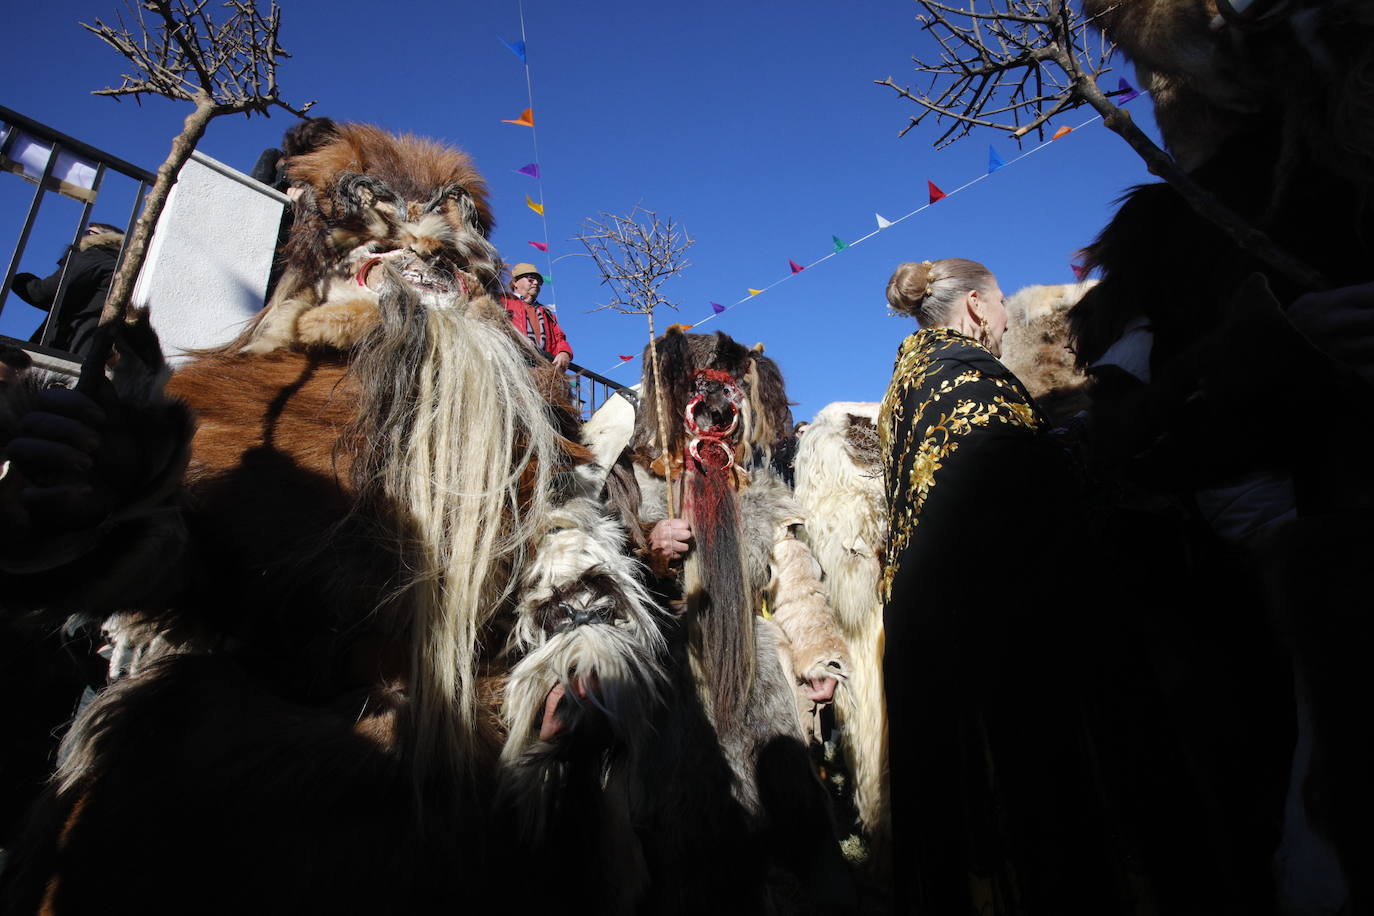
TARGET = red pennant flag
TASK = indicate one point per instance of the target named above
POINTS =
(796, 268)
(935, 193)
(624, 358)
(542, 246)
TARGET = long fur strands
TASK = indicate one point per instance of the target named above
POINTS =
(717, 597)
(458, 436)
(840, 487)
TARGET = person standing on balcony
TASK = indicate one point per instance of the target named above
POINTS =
(535, 321)
(89, 265)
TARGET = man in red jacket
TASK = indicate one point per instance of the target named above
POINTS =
(534, 320)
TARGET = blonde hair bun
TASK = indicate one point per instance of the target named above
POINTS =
(909, 286)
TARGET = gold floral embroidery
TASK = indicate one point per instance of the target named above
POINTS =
(918, 360)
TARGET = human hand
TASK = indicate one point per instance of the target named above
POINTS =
(670, 538)
(561, 360)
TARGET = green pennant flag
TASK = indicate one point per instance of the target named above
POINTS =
(839, 245)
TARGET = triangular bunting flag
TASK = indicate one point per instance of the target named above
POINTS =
(935, 193)
(526, 118)
(839, 244)
(517, 48)
(755, 292)
(882, 223)
(1079, 272)
(717, 307)
(537, 208)
(548, 281)
(542, 246)
(531, 170)
(796, 268)
(1063, 131)
(624, 358)
(994, 161)
(1124, 92)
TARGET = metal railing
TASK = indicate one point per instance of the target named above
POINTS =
(15, 127)
(591, 390)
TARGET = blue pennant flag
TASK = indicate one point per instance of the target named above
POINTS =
(1124, 92)
(517, 48)
(994, 161)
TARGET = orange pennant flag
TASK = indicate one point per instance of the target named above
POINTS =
(1061, 132)
(755, 292)
(537, 208)
(526, 118)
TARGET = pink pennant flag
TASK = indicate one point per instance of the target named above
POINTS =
(540, 245)
(1079, 272)
(1061, 132)
(526, 118)
(935, 193)
(796, 268)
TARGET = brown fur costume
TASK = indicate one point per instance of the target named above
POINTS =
(747, 556)
(379, 520)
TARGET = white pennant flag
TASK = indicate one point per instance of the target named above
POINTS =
(882, 223)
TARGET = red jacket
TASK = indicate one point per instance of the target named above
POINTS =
(547, 336)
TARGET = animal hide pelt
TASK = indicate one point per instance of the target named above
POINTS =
(1035, 347)
(840, 488)
(375, 531)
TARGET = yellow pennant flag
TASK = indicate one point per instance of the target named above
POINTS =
(537, 208)
(755, 292)
(526, 118)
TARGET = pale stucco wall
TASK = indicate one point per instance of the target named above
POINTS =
(209, 260)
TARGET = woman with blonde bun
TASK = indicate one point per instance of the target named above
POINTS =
(995, 808)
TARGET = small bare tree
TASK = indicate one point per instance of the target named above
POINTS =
(180, 52)
(635, 254)
(1014, 65)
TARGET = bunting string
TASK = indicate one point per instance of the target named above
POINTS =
(995, 163)
(534, 169)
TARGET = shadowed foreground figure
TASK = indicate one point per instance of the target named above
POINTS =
(335, 525)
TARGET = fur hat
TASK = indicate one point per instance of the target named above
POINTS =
(525, 270)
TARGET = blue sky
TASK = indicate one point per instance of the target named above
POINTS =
(757, 126)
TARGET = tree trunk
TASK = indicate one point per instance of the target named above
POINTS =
(136, 251)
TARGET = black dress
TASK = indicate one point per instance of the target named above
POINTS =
(996, 799)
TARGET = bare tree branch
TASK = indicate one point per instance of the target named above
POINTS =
(182, 53)
(1015, 65)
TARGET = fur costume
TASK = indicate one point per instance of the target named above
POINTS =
(350, 528)
(1035, 347)
(840, 488)
(726, 409)
(1218, 69)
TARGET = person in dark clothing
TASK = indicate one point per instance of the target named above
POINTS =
(89, 267)
(994, 796)
(303, 137)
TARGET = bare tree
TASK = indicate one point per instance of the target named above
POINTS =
(1014, 65)
(635, 254)
(180, 52)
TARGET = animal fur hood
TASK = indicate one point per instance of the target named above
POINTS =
(101, 239)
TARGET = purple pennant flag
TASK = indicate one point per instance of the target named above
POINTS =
(531, 170)
(717, 307)
(1124, 92)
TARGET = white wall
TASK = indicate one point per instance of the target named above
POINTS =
(209, 260)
